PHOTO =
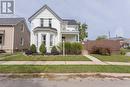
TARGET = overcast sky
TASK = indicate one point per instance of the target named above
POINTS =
(101, 16)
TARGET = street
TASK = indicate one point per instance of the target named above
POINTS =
(63, 82)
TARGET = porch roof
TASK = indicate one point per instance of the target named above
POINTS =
(45, 29)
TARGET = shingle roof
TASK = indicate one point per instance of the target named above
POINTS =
(70, 22)
(10, 21)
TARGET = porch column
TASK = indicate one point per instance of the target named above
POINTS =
(48, 42)
(78, 37)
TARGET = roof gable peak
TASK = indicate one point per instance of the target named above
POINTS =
(42, 9)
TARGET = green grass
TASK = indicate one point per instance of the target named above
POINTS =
(21, 57)
(127, 50)
(4, 55)
(64, 69)
(113, 58)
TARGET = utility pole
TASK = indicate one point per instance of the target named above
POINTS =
(109, 33)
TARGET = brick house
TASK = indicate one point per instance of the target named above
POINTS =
(113, 45)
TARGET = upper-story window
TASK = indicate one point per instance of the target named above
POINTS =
(41, 21)
(46, 22)
(1, 39)
(22, 28)
(22, 41)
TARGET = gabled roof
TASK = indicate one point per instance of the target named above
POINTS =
(10, 21)
(42, 9)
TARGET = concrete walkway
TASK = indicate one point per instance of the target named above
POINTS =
(93, 58)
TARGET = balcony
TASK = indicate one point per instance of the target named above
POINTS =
(70, 31)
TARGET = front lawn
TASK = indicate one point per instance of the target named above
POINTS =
(113, 58)
(64, 69)
(21, 57)
(4, 55)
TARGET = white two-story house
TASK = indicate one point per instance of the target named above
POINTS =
(48, 28)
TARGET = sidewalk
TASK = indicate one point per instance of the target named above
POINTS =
(60, 63)
(49, 63)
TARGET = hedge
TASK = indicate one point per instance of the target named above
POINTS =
(72, 48)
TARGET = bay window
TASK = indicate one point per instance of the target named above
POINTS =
(44, 39)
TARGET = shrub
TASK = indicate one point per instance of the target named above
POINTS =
(42, 49)
(122, 51)
(104, 51)
(2, 51)
(76, 48)
(33, 48)
(68, 48)
(54, 51)
(28, 52)
(128, 47)
(73, 48)
(100, 50)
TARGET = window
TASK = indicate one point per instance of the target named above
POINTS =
(44, 39)
(50, 22)
(46, 22)
(77, 38)
(51, 40)
(22, 28)
(22, 41)
(1, 39)
(41, 22)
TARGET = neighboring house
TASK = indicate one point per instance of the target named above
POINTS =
(14, 34)
(124, 42)
(113, 45)
(48, 28)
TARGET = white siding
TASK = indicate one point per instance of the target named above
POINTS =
(46, 14)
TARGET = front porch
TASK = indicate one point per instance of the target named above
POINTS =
(70, 37)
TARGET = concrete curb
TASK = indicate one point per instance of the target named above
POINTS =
(82, 75)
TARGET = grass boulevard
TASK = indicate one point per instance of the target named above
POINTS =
(64, 69)
(21, 57)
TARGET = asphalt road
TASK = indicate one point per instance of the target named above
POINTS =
(80, 82)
